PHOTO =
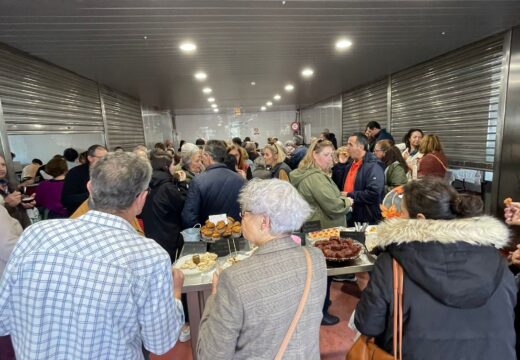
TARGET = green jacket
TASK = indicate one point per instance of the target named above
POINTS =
(323, 196)
(395, 176)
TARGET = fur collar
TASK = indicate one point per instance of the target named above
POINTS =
(483, 230)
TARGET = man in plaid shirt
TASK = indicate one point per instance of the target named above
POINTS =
(92, 288)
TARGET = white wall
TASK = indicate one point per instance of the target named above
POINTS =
(44, 147)
(324, 115)
(258, 126)
(158, 126)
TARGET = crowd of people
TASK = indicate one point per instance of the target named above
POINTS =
(94, 280)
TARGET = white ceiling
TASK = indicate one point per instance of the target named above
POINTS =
(240, 41)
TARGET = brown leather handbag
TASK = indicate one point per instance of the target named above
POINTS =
(365, 348)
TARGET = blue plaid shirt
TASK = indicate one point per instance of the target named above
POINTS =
(89, 288)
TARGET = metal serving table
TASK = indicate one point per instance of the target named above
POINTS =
(198, 288)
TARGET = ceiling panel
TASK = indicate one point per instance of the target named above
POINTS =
(242, 41)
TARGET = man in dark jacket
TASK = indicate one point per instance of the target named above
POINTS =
(75, 185)
(364, 181)
(298, 154)
(375, 133)
(215, 191)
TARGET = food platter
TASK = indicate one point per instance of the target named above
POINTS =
(233, 259)
(339, 251)
(207, 262)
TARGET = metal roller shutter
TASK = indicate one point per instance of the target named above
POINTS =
(39, 98)
(124, 120)
(455, 96)
(364, 104)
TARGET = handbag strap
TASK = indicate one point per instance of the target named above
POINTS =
(439, 160)
(398, 309)
(299, 310)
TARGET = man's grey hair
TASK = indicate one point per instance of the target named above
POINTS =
(298, 140)
(279, 200)
(187, 151)
(216, 149)
(117, 179)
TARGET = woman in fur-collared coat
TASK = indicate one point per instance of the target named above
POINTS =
(459, 296)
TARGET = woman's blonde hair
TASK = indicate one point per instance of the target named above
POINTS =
(316, 146)
(277, 151)
(430, 143)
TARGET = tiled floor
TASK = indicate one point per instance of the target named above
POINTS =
(334, 340)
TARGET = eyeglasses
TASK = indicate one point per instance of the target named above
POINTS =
(243, 213)
(378, 150)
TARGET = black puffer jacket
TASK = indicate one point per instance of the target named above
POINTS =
(162, 212)
(459, 296)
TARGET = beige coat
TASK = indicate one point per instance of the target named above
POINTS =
(255, 302)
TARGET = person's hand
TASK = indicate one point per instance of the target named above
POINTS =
(181, 175)
(242, 172)
(214, 282)
(178, 282)
(515, 256)
(13, 199)
(512, 214)
(29, 205)
(351, 201)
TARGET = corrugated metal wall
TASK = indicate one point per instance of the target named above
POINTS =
(38, 97)
(456, 97)
(123, 119)
(324, 115)
(364, 104)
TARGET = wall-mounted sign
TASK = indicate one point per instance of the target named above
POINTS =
(295, 126)
(256, 131)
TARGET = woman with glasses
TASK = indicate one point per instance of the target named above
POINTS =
(274, 157)
(313, 182)
(251, 306)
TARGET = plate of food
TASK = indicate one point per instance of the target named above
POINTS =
(233, 259)
(325, 233)
(197, 263)
(337, 250)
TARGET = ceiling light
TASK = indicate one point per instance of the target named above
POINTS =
(201, 76)
(343, 44)
(443, 33)
(211, 99)
(263, 108)
(253, 83)
(207, 90)
(215, 110)
(188, 47)
(307, 72)
(214, 105)
(269, 103)
(277, 97)
(145, 37)
(289, 87)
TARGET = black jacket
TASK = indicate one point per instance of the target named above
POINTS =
(75, 187)
(213, 192)
(339, 173)
(369, 189)
(381, 135)
(459, 295)
(162, 213)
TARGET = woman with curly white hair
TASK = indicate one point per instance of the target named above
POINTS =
(253, 302)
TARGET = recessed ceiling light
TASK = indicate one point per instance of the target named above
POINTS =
(263, 108)
(307, 72)
(215, 110)
(188, 47)
(145, 37)
(253, 83)
(289, 87)
(211, 99)
(443, 33)
(214, 105)
(277, 97)
(343, 44)
(207, 90)
(283, 2)
(201, 76)
(269, 103)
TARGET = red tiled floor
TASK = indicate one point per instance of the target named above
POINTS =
(334, 340)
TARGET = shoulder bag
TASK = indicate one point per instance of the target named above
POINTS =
(365, 348)
(299, 309)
